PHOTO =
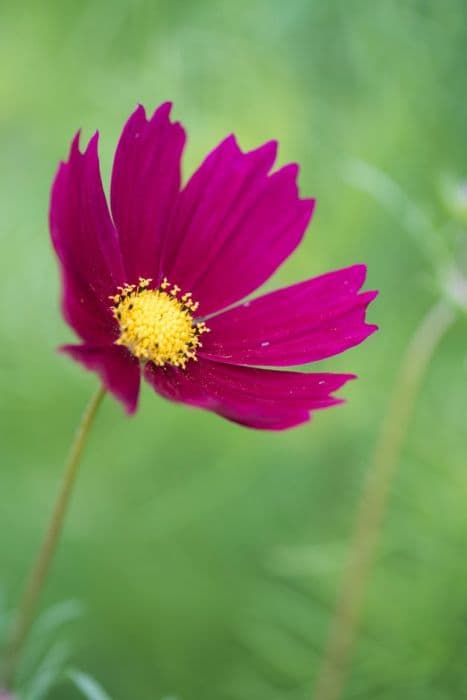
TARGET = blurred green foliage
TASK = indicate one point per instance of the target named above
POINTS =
(208, 555)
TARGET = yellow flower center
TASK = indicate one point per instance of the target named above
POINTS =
(157, 324)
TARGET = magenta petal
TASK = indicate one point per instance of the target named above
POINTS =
(86, 244)
(258, 398)
(302, 323)
(234, 225)
(117, 368)
(145, 186)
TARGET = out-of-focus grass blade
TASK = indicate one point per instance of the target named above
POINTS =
(48, 674)
(47, 625)
(89, 687)
(412, 216)
(58, 615)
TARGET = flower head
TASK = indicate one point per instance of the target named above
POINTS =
(155, 287)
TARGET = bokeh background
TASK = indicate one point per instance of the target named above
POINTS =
(206, 556)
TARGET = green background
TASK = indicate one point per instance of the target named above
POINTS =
(207, 556)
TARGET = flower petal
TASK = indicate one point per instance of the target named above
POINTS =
(117, 368)
(302, 323)
(258, 398)
(234, 225)
(144, 189)
(86, 243)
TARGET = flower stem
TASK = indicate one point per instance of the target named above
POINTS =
(38, 575)
(370, 512)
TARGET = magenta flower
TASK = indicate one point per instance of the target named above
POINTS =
(149, 287)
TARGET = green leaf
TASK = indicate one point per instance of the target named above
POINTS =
(89, 687)
(48, 673)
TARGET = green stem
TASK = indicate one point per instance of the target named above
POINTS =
(344, 627)
(35, 584)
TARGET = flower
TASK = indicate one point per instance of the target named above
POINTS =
(157, 287)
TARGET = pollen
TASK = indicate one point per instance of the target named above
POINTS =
(157, 325)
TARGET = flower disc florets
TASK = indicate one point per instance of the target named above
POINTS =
(157, 325)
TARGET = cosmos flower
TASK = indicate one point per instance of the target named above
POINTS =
(156, 286)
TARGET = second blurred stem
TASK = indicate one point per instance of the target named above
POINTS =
(344, 627)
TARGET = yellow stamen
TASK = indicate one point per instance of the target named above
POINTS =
(156, 324)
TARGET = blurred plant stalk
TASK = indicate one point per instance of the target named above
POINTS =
(348, 611)
(28, 605)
